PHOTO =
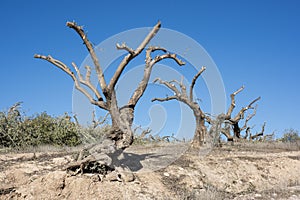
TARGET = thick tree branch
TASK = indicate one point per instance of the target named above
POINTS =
(165, 99)
(67, 70)
(194, 81)
(147, 72)
(232, 105)
(241, 114)
(131, 55)
(226, 132)
(167, 55)
(91, 50)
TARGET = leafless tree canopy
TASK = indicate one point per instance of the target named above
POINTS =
(233, 122)
(122, 117)
(180, 94)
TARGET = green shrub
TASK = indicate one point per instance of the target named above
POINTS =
(17, 130)
(290, 135)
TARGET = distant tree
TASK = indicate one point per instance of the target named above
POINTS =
(233, 122)
(188, 99)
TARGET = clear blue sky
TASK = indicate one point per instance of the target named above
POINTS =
(254, 43)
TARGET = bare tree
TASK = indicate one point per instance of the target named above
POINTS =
(233, 122)
(182, 96)
(258, 134)
(122, 117)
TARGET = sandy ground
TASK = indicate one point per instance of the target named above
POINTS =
(162, 171)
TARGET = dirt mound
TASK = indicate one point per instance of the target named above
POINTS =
(228, 172)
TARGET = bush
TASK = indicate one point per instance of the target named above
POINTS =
(290, 135)
(17, 130)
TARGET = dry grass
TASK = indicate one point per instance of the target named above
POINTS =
(270, 145)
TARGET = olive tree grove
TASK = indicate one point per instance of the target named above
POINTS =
(222, 124)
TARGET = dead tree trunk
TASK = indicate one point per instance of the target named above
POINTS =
(181, 95)
(122, 117)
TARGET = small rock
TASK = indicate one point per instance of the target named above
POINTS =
(258, 195)
(112, 176)
(180, 168)
(60, 161)
(127, 176)
(274, 195)
(166, 174)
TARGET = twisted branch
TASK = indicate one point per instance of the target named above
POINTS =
(132, 53)
(91, 50)
(150, 62)
(194, 81)
(67, 70)
(261, 133)
(87, 80)
(241, 113)
(249, 117)
(232, 105)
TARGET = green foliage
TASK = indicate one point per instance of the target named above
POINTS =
(290, 135)
(17, 130)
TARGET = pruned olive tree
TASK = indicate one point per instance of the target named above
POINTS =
(122, 116)
(180, 94)
(233, 122)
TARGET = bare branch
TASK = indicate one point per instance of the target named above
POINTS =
(169, 85)
(240, 115)
(123, 46)
(147, 72)
(232, 105)
(181, 85)
(252, 102)
(145, 132)
(67, 70)
(87, 81)
(91, 50)
(57, 63)
(167, 55)
(165, 99)
(239, 90)
(194, 81)
(131, 55)
(97, 122)
(249, 117)
(261, 133)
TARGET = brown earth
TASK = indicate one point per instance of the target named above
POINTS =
(228, 172)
